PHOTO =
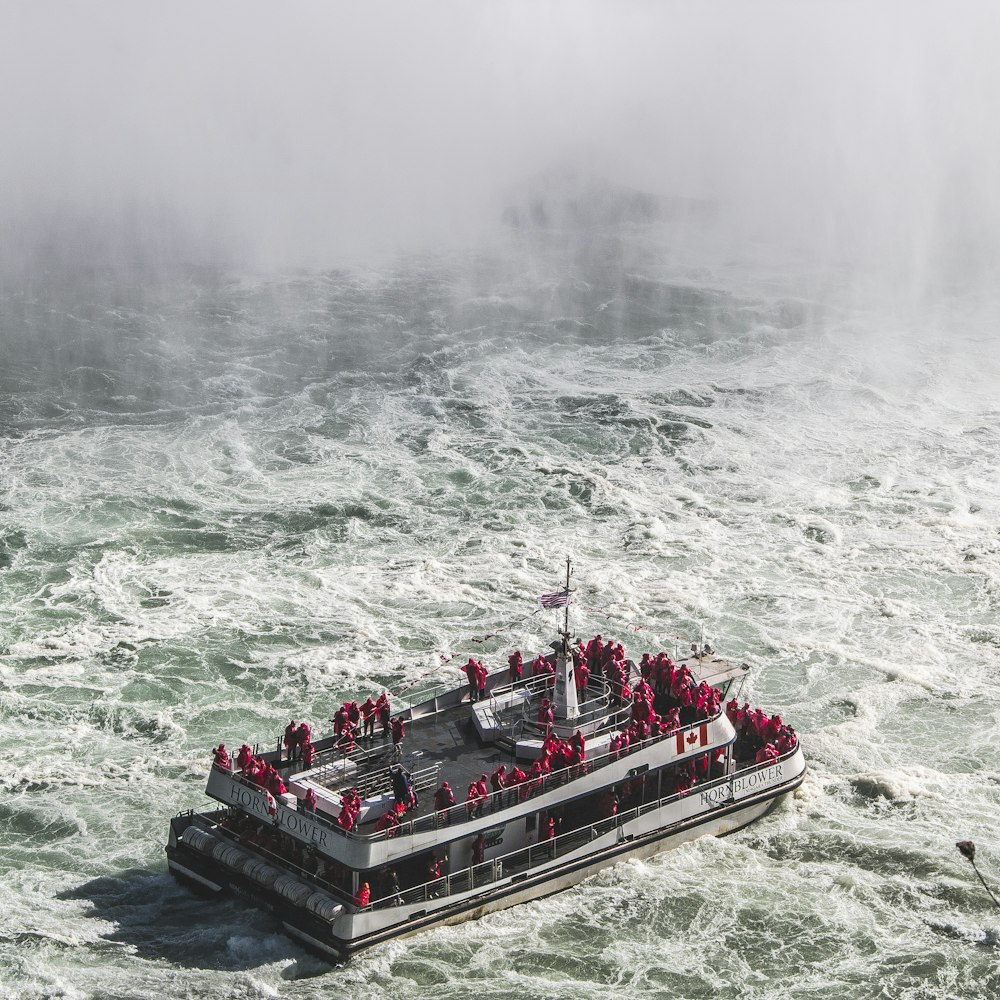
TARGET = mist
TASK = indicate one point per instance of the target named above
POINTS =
(856, 136)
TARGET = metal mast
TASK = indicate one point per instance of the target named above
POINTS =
(566, 706)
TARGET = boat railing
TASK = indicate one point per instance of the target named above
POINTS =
(594, 709)
(510, 796)
(527, 858)
(422, 691)
(530, 788)
(366, 760)
(532, 685)
(496, 869)
(509, 711)
(617, 718)
(379, 782)
(516, 719)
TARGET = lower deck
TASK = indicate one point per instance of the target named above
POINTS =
(506, 841)
(464, 889)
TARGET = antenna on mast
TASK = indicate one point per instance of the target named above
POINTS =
(566, 616)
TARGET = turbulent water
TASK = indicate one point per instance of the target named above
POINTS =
(229, 499)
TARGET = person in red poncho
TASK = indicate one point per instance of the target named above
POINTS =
(787, 741)
(221, 757)
(383, 710)
(483, 788)
(398, 733)
(444, 799)
(346, 742)
(534, 783)
(640, 708)
(515, 778)
(514, 664)
(348, 817)
(546, 717)
(290, 739)
(434, 876)
(388, 823)
(363, 897)
(471, 670)
(368, 714)
(339, 720)
(471, 798)
(594, 649)
(547, 834)
(303, 735)
(498, 779)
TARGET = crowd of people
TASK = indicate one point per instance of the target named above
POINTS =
(758, 737)
(663, 698)
(514, 784)
(476, 675)
(354, 723)
(253, 769)
(297, 738)
(659, 675)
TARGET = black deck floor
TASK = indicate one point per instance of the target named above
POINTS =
(447, 738)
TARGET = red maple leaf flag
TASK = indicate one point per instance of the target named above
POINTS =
(686, 740)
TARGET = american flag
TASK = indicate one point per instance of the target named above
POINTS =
(557, 600)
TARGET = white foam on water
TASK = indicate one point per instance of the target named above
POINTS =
(810, 497)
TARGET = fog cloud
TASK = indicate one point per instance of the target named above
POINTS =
(302, 133)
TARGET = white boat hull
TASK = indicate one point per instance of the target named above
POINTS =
(637, 835)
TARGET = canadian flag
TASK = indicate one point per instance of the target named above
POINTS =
(272, 806)
(692, 738)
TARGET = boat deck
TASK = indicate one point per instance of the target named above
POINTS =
(442, 745)
(449, 738)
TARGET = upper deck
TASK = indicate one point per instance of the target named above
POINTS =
(449, 738)
(443, 742)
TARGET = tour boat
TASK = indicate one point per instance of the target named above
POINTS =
(351, 840)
